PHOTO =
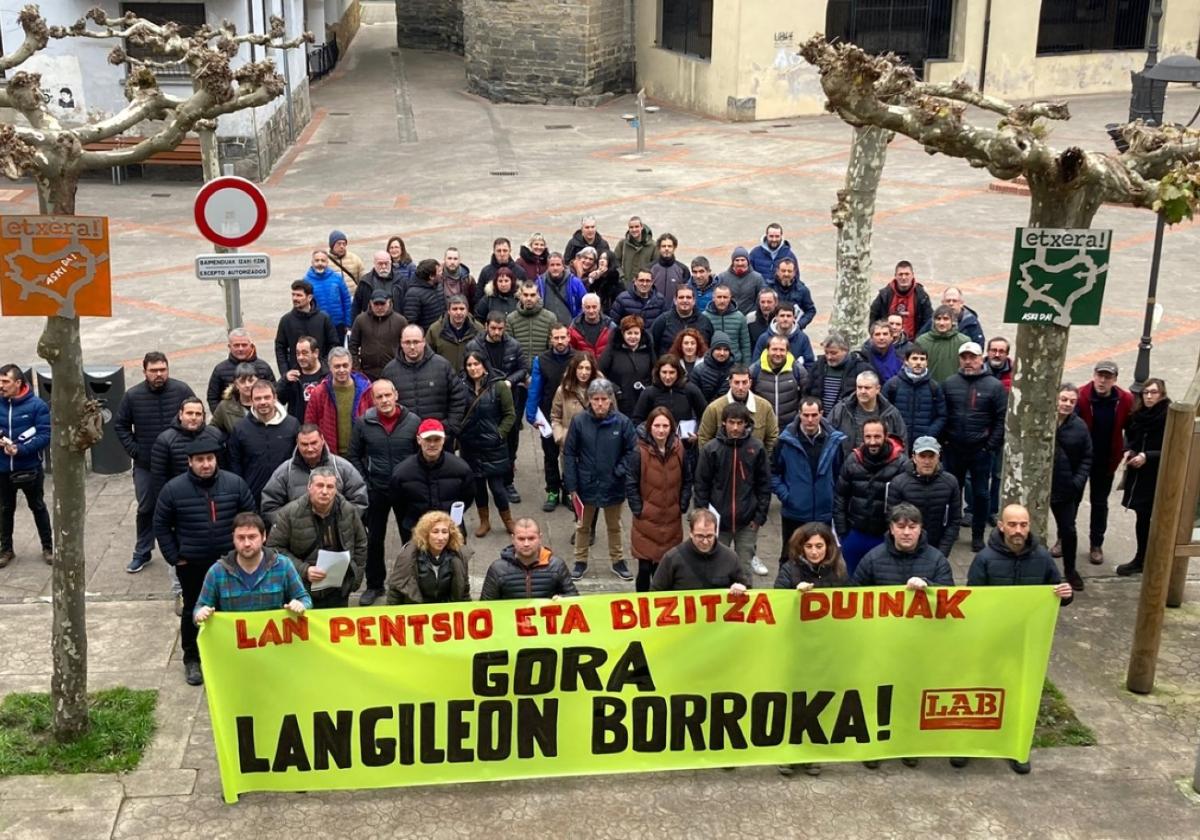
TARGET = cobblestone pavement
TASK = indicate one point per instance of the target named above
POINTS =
(395, 146)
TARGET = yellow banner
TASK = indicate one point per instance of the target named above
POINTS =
(383, 697)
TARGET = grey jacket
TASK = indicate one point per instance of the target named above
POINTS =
(290, 482)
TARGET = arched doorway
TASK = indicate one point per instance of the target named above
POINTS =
(916, 30)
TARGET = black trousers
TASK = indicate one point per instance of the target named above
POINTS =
(1142, 531)
(379, 508)
(787, 527)
(1099, 487)
(978, 463)
(645, 572)
(1064, 521)
(519, 395)
(191, 581)
(35, 498)
(495, 483)
(550, 459)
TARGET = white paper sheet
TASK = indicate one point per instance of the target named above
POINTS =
(456, 512)
(334, 564)
(543, 427)
(687, 429)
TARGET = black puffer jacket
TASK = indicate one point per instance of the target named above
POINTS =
(975, 404)
(734, 476)
(375, 453)
(1144, 434)
(418, 487)
(937, 497)
(711, 376)
(505, 357)
(257, 448)
(1072, 459)
(223, 375)
(999, 565)
(798, 571)
(424, 302)
(429, 389)
(507, 578)
(169, 457)
(862, 499)
(193, 519)
(489, 419)
(683, 399)
(886, 565)
(628, 370)
(295, 325)
(854, 364)
(144, 414)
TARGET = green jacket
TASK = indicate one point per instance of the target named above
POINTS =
(634, 256)
(531, 328)
(733, 324)
(943, 353)
(295, 534)
(442, 340)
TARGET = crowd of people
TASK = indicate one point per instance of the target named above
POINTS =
(401, 387)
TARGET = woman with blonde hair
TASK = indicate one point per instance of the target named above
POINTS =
(431, 567)
(534, 256)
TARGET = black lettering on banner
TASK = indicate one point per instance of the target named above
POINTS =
(332, 739)
(375, 752)
(248, 760)
(546, 662)
(727, 721)
(688, 712)
(537, 722)
(289, 751)
(806, 717)
(431, 753)
(649, 724)
(406, 716)
(483, 682)
(632, 668)
(851, 722)
(458, 730)
(608, 729)
(495, 730)
(582, 665)
(883, 712)
(768, 718)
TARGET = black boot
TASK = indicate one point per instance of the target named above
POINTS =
(1133, 567)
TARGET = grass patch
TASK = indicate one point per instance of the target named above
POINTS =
(122, 726)
(1057, 725)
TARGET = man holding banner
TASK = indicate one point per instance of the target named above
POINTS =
(527, 569)
(701, 562)
(251, 578)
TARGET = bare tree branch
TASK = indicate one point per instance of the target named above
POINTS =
(1025, 114)
(37, 35)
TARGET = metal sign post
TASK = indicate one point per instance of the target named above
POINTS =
(230, 212)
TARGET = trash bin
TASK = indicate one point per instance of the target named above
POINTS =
(44, 384)
(106, 385)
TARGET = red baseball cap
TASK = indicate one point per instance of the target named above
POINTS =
(431, 428)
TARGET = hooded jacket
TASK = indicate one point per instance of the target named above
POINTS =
(633, 255)
(487, 274)
(193, 519)
(685, 567)
(331, 295)
(745, 288)
(450, 343)
(509, 579)
(424, 301)
(782, 388)
(920, 402)
(938, 498)
(374, 341)
(887, 565)
(711, 376)
(24, 420)
(290, 482)
(494, 301)
(805, 473)
(505, 358)
(294, 325)
(404, 578)
(863, 496)
(659, 488)
(734, 476)
(798, 344)
(628, 369)
(144, 414)
(223, 375)
(295, 534)
(228, 412)
(886, 303)
(429, 388)
(375, 452)
(257, 448)
(763, 259)
(766, 424)
(848, 418)
(733, 323)
(967, 323)
(1072, 460)
(596, 457)
(943, 352)
(999, 565)
(533, 265)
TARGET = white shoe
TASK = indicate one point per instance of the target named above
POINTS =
(758, 567)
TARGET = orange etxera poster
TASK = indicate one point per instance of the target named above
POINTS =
(55, 265)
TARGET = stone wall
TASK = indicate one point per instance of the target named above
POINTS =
(253, 157)
(573, 51)
(432, 24)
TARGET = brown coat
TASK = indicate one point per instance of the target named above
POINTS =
(402, 586)
(563, 410)
(658, 490)
(375, 341)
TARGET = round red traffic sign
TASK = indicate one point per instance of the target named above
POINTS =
(230, 211)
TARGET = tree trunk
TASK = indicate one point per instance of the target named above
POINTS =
(1041, 353)
(853, 216)
(60, 346)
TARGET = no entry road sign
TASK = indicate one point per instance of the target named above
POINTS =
(230, 211)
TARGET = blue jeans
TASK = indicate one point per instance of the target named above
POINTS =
(855, 546)
(977, 462)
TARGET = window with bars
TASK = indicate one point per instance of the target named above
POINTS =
(1068, 26)
(915, 30)
(189, 16)
(687, 27)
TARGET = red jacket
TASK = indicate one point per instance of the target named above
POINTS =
(1124, 408)
(578, 342)
(322, 408)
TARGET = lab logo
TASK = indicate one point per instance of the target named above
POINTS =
(962, 708)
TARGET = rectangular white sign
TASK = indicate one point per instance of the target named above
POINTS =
(232, 266)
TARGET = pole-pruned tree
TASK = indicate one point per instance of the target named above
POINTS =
(38, 146)
(1159, 171)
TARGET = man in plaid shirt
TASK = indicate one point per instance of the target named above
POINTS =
(251, 578)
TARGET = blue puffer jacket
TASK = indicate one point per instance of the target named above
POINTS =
(25, 420)
(331, 295)
(920, 402)
(596, 457)
(807, 495)
(649, 308)
(799, 297)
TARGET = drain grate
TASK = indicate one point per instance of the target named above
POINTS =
(559, 127)
(337, 142)
(339, 113)
(160, 195)
(679, 144)
(758, 131)
(781, 125)
(503, 172)
(645, 170)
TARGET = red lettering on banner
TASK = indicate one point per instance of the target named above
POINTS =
(293, 628)
(813, 605)
(666, 611)
(364, 631)
(962, 708)
(734, 613)
(845, 604)
(760, 610)
(340, 627)
(710, 603)
(576, 621)
(243, 641)
(891, 604)
(623, 614)
(919, 606)
(524, 616)
(948, 602)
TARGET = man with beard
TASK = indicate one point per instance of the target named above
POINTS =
(668, 272)
(791, 290)
(700, 561)
(530, 323)
(304, 319)
(381, 278)
(457, 279)
(860, 506)
(642, 300)
(766, 255)
(903, 296)
(675, 320)
(502, 258)
(560, 290)
(348, 264)
(634, 252)
(330, 293)
(424, 300)
(376, 335)
(807, 464)
(1105, 407)
(298, 385)
(917, 397)
(586, 237)
(241, 351)
(262, 440)
(742, 280)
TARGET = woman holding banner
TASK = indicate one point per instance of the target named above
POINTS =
(431, 567)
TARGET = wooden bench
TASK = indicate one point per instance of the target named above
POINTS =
(187, 153)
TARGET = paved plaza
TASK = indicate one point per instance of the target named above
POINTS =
(396, 146)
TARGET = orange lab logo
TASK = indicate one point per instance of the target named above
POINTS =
(962, 708)
(55, 265)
